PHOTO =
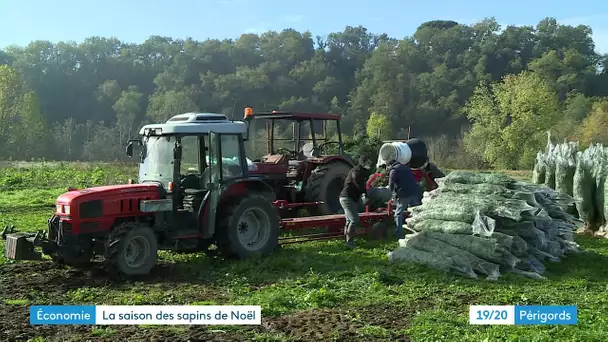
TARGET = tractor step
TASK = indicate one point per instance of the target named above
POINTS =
(20, 246)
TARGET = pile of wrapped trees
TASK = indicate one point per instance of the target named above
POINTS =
(487, 224)
(581, 174)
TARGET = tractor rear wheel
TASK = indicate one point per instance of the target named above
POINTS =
(131, 249)
(248, 226)
(324, 185)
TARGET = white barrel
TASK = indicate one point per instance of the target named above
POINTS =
(398, 151)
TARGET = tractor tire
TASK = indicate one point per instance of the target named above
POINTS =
(248, 226)
(126, 239)
(324, 185)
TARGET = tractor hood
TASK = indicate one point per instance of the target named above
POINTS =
(111, 193)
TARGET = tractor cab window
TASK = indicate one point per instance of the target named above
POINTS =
(190, 155)
(232, 163)
(157, 160)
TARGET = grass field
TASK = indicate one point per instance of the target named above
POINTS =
(309, 292)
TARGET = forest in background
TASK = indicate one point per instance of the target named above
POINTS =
(481, 95)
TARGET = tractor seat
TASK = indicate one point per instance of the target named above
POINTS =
(308, 150)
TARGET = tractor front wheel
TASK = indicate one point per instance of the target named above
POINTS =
(248, 226)
(131, 249)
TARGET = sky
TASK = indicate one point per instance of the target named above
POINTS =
(22, 21)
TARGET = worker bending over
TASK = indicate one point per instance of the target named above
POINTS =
(405, 190)
(354, 189)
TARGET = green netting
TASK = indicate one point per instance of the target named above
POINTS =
(433, 260)
(565, 167)
(531, 264)
(585, 187)
(484, 248)
(527, 231)
(423, 241)
(549, 199)
(547, 225)
(539, 171)
(542, 255)
(460, 188)
(464, 207)
(466, 215)
(483, 225)
(605, 227)
(528, 274)
(550, 170)
(468, 177)
(512, 242)
(450, 227)
(549, 161)
(600, 180)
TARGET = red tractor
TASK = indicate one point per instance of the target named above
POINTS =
(194, 189)
(312, 172)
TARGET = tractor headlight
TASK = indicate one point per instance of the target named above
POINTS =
(63, 209)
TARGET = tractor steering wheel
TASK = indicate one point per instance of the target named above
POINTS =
(321, 147)
(290, 152)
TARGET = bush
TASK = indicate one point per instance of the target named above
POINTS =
(362, 145)
(450, 153)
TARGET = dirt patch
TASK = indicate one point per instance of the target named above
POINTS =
(22, 279)
(390, 317)
(32, 279)
(315, 325)
(341, 324)
(48, 283)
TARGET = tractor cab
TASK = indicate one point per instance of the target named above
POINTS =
(184, 151)
(198, 161)
(304, 165)
(308, 138)
(189, 157)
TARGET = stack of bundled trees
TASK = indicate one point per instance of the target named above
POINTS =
(487, 224)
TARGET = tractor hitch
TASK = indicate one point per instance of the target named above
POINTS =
(22, 245)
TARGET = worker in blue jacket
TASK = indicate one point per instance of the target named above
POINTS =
(405, 190)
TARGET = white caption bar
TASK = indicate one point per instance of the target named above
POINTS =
(178, 315)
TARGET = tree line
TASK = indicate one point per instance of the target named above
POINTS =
(481, 94)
